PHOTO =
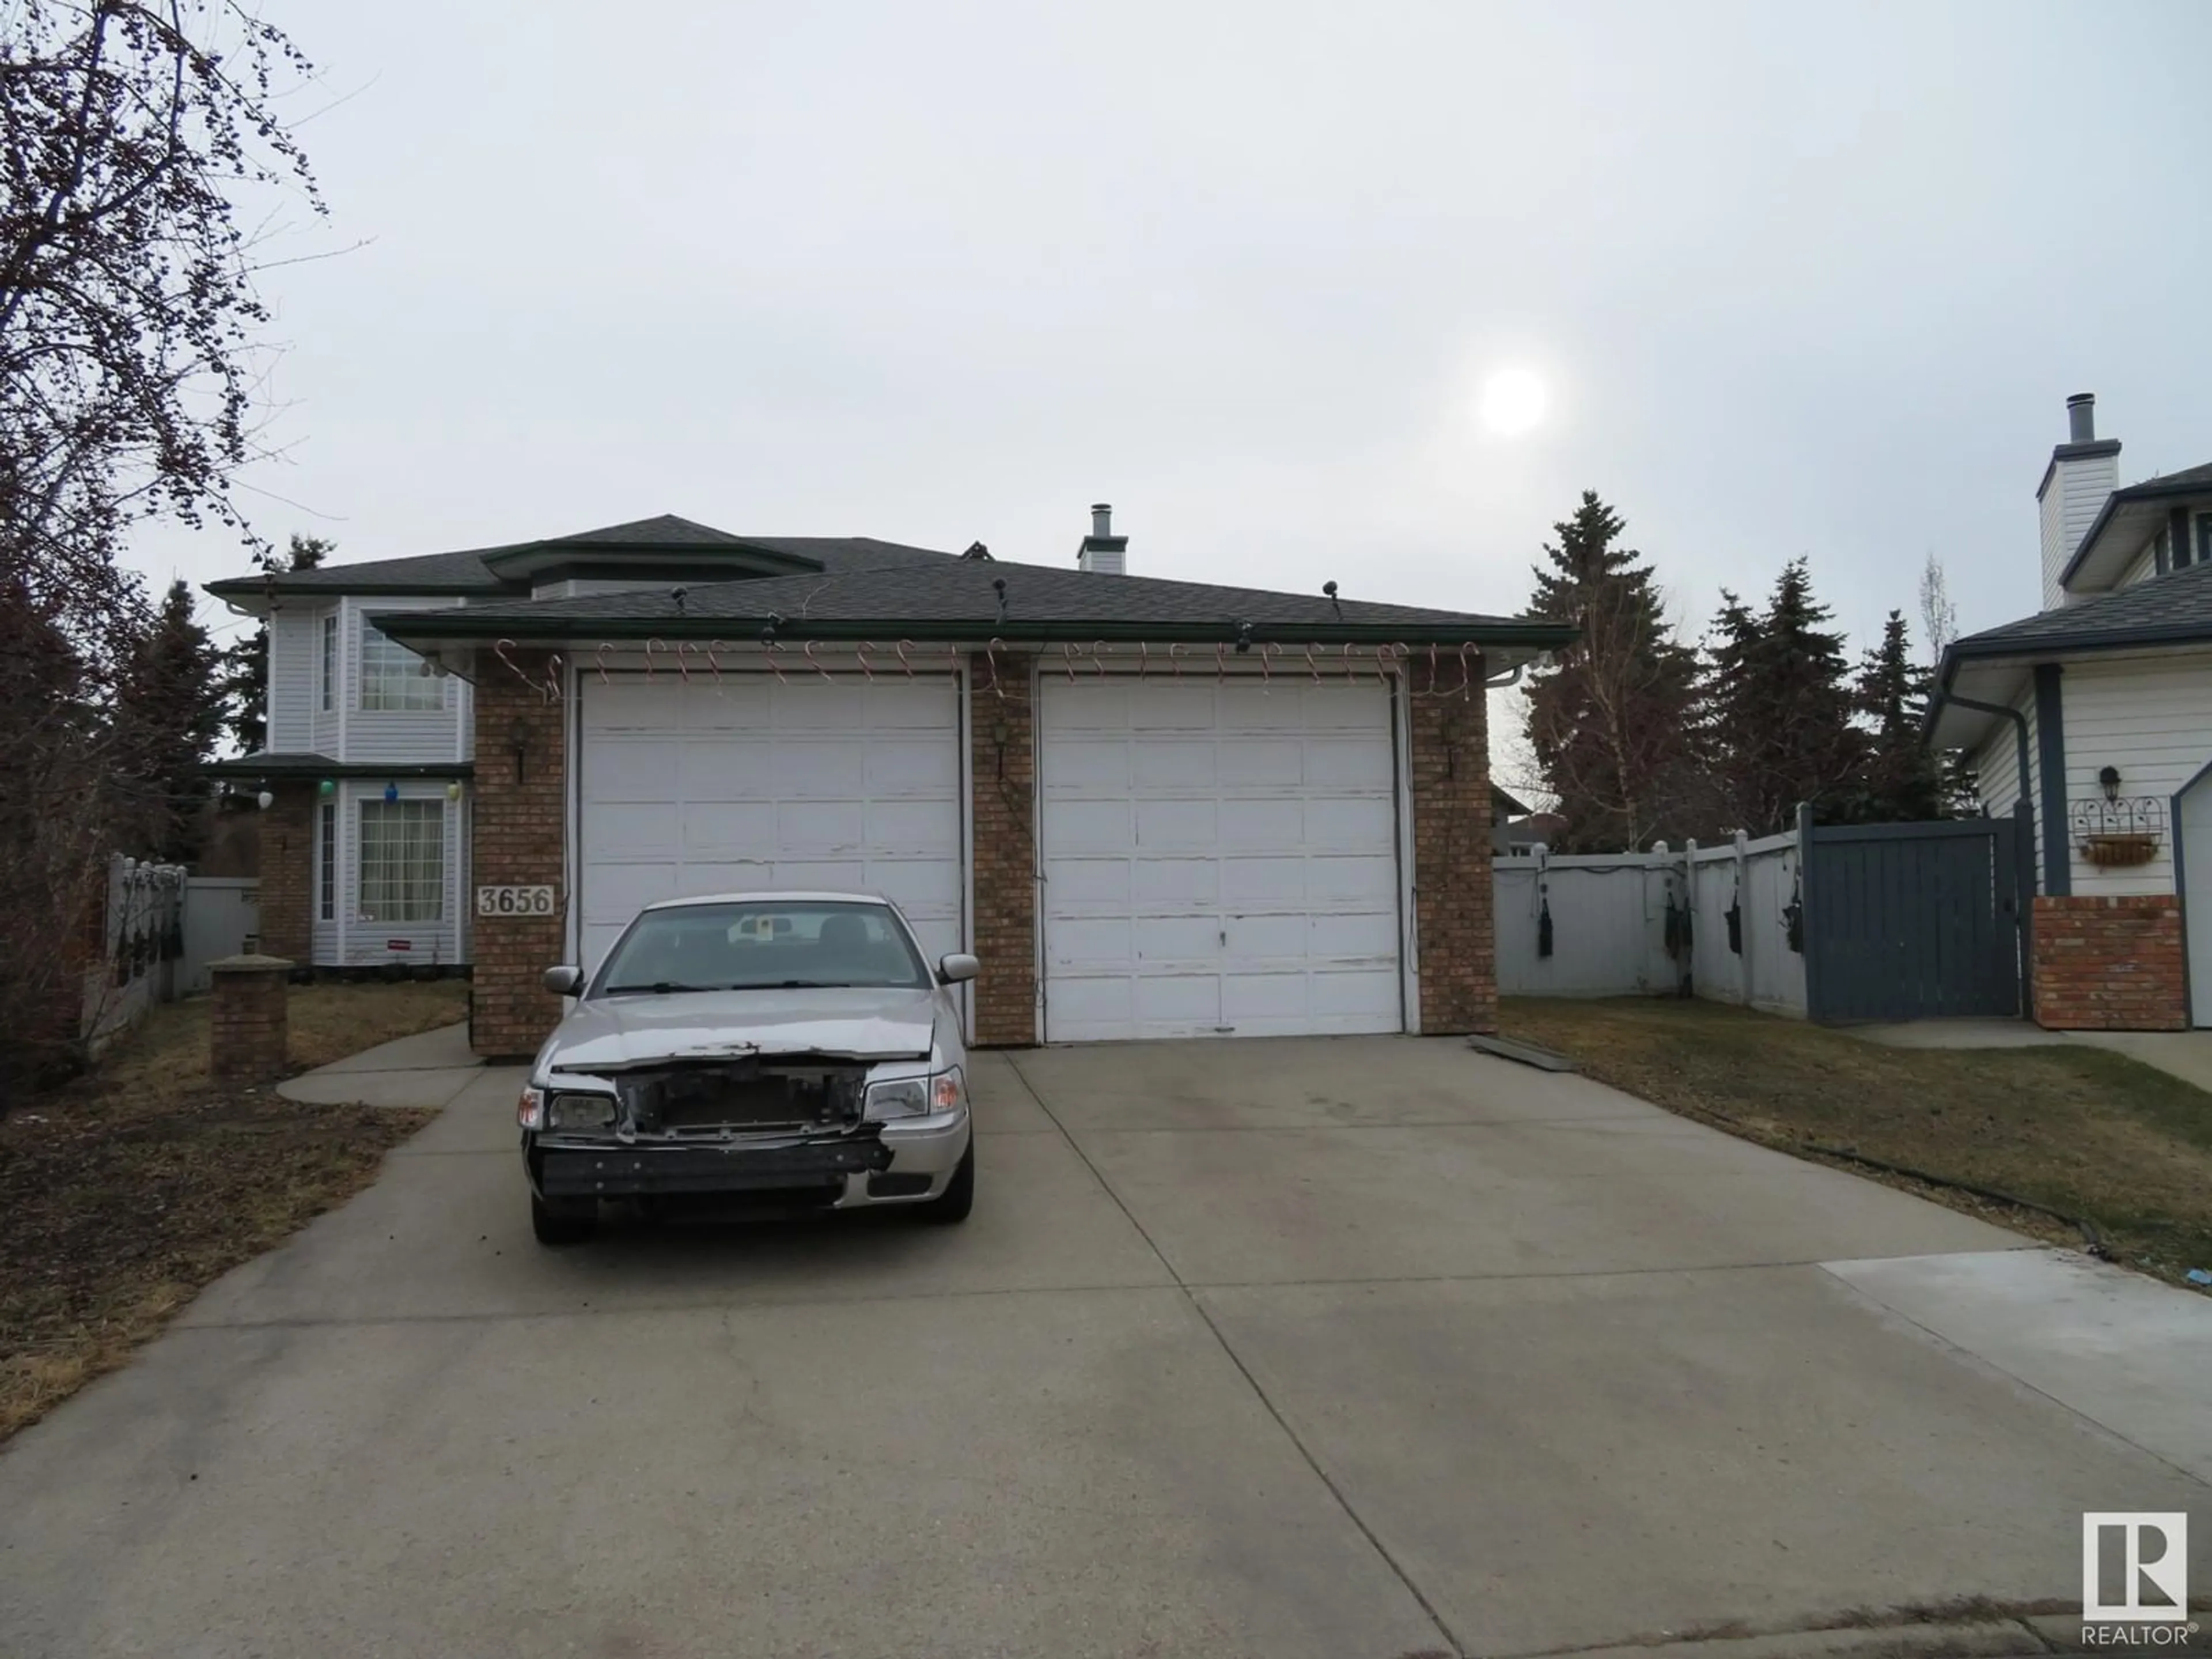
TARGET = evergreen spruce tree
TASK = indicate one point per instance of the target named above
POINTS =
(1902, 777)
(168, 712)
(1776, 708)
(1610, 723)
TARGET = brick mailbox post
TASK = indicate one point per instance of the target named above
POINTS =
(248, 1042)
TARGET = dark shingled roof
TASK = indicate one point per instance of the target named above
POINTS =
(956, 597)
(2173, 608)
(667, 536)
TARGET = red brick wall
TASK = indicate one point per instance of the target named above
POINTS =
(288, 872)
(1002, 762)
(2109, 964)
(250, 1026)
(1452, 881)
(519, 826)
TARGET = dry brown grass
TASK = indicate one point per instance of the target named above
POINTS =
(123, 1195)
(2081, 1130)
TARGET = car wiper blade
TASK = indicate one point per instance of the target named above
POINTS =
(657, 989)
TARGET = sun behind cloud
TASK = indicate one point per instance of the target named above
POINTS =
(1513, 402)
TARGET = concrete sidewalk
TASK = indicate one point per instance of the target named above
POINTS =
(2185, 1055)
(430, 1069)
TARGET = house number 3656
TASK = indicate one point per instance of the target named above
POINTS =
(514, 900)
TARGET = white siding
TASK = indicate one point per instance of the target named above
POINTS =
(400, 737)
(292, 636)
(2141, 568)
(577, 586)
(2151, 717)
(2068, 508)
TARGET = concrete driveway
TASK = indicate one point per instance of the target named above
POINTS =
(1327, 1348)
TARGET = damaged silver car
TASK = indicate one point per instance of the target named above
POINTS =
(777, 1049)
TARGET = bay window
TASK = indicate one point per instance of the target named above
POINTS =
(403, 860)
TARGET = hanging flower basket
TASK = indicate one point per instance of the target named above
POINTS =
(2109, 851)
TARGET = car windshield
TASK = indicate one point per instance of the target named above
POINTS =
(763, 945)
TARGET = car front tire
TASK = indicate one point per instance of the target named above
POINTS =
(952, 1205)
(557, 1227)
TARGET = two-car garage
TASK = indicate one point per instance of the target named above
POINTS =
(1213, 855)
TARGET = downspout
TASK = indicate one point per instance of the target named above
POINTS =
(2027, 864)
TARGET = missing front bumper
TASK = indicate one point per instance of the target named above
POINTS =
(627, 1172)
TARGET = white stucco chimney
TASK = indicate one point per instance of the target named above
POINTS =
(2083, 471)
(1103, 550)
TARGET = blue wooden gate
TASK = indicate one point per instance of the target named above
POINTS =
(1913, 921)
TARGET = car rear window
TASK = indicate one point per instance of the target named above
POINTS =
(761, 944)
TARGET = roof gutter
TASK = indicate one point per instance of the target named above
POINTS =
(1944, 694)
(459, 624)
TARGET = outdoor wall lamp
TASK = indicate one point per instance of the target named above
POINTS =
(2110, 778)
(517, 740)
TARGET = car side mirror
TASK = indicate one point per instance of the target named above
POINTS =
(958, 966)
(564, 981)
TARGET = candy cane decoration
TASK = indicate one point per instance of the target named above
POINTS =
(903, 648)
(713, 646)
(1466, 678)
(775, 654)
(1099, 656)
(606, 646)
(651, 646)
(499, 649)
(1312, 667)
(1067, 660)
(1268, 653)
(813, 663)
(553, 678)
(861, 651)
(991, 662)
(1143, 658)
(683, 663)
(1174, 661)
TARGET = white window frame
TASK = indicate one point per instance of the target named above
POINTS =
(412, 870)
(395, 680)
(326, 864)
(329, 661)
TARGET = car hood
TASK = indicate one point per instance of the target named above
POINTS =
(616, 1033)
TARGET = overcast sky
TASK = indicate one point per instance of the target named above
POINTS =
(1788, 280)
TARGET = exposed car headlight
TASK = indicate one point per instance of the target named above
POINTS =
(916, 1096)
(580, 1112)
(529, 1110)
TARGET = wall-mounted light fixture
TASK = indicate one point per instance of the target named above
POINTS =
(327, 786)
(517, 741)
(391, 792)
(2110, 779)
(265, 800)
(453, 791)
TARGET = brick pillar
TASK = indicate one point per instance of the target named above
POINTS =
(1002, 759)
(518, 832)
(2109, 964)
(250, 1036)
(288, 871)
(1453, 884)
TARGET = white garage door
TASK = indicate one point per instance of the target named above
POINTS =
(1219, 860)
(841, 784)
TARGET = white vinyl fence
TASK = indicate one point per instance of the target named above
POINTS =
(142, 940)
(1654, 924)
(222, 918)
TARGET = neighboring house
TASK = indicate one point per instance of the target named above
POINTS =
(1154, 808)
(2097, 709)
